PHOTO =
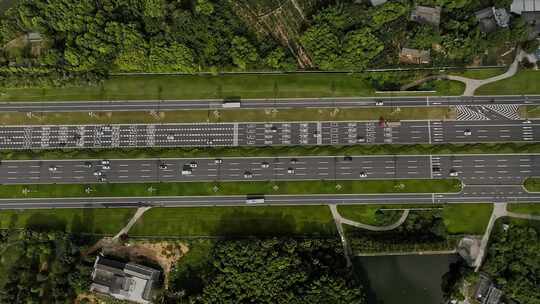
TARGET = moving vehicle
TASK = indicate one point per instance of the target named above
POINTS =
(290, 170)
(88, 164)
(163, 166)
(255, 199)
(186, 170)
(363, 174)
(193, 165)
(98, 173)
(248, 174)
(53, 168)
(265, 165)
(379, 103)
(218, 161)
(106, 167)
(453, 173)
(105, 162)
(231, 102)
(467, 132)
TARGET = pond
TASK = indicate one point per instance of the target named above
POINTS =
(404, 279)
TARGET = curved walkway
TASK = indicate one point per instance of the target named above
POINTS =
(393, 226)
(471, 85)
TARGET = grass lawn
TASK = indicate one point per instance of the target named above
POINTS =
(499, 148)
(458, 218)
(228, 188)
(107, 221)
(531, 208)
(236, 221)
(199, 87)
(188, 116)
(524, 82)
(479, 74)
(532, 184)
(466, 218)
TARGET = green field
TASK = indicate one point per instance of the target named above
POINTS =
(530, 111)
(532, 184)
(236, 221)
(187, 116)
(365, 214)
(106, 221)
(531, 208)
(467, 218)
(163, 87)
(227, 188)
(524, 82)
(272, 151)
(479, 73)
(458, 218)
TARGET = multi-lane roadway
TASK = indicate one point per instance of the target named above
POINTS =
(281, 103)
(486, 178)
(498, 169)
(267, 134)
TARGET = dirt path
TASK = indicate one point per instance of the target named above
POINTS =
(132, 221)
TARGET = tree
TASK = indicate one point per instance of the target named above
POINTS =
(359, 48)
(204, 7)
(242, 52)
(175, 56)
(323, 46)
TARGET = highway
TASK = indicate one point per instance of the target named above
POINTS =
(486, 178)
(500, 169)
(285, 103)
(267, 134)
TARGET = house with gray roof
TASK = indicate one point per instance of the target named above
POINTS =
(520, 6)
(426, 15)
(124, 281)
(490, 18)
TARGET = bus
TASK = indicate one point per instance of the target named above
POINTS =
(255, 199)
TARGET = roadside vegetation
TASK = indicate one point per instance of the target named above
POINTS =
(228, 188)
(457, 218)
(513, 260)
(525, 82)
(500, 148)
(532, 208)
(218, 116)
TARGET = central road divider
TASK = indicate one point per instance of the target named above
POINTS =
(132, 153)
(230, 188)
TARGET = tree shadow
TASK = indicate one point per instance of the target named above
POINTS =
(38, 222)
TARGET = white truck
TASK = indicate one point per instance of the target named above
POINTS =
(255, 199)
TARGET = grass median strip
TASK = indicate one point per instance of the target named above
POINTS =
(136, 153)
(228, 188)
(523, 83)
(532, 184)
(217, 116)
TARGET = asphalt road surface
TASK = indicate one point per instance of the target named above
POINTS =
(509, 169)
(266, 134)
(343, 102)
(486, 178)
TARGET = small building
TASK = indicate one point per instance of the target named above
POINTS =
(414, 56)
(486, 292)
(124, 281)
(520, 6)
(377, 2)
(34, 37)
(489, 18)
(426, 15)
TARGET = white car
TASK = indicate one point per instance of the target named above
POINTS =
(379, 103)
(193, 165)
(527, 121)
(170, 137)
(363, 174)
(53, 168)
(98, 173)
(467, 132)
(186, 171)
(290, 170)
(248, 174)
(265, 165)
(106, 167)
(454, 173)
(102, 179)
(218, 161)
(105, 162)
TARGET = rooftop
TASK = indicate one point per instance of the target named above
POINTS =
(519, 6)
(124, 281)
(414, 56)
(427, 15)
